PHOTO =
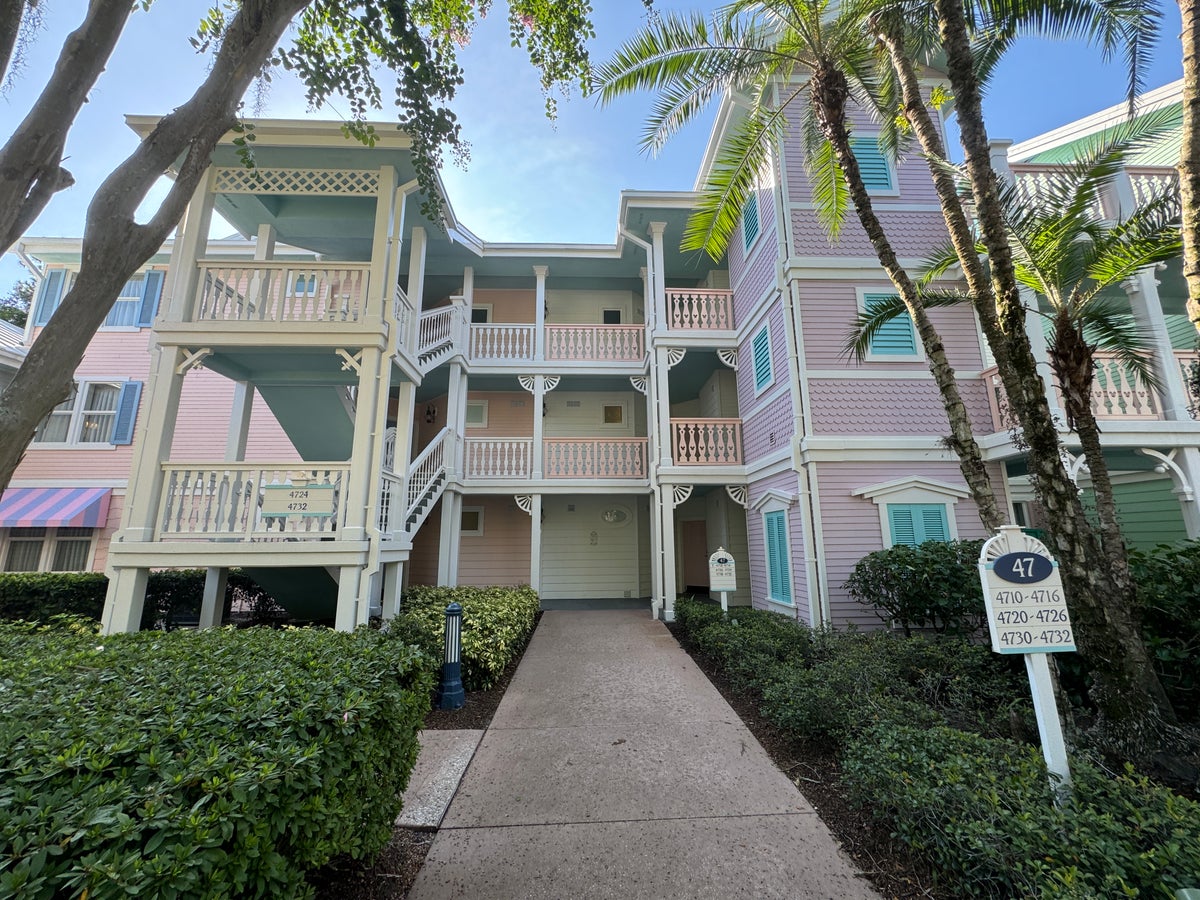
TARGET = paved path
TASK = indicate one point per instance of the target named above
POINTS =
(613, 768)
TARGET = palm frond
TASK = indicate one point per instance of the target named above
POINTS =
(830, 195)
(869, 322)
(1108, 326)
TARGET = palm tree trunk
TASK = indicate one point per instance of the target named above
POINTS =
(830, 92)
(1189, 157)
(1128, 694)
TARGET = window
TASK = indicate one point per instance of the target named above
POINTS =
(48, 549)
(305, 286)
(481, 315)
(897, 337)
(779, 581)
(100, 412)
(610, 317)
(875, 169)
(614, 415)
(138, 302)
(477, 413)
(916, 523)
(750, 221)
(761, 351)
(472, 520)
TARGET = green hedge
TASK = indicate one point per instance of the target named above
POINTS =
(216, 763)
(1168, 580)
(982, 813)
(497, 624)
(172, 597)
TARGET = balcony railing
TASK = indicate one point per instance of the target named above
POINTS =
(596, 343)
(252, 501)
(595, 457)
(498, 457)
(502, 342)
(706, 442)
(697, 309)
(278, 292)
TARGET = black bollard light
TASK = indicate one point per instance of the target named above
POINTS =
(451, 691)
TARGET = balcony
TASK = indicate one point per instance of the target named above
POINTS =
(1035, 180)
(252, 501)
(580, 458)
(515, 342)
(1117, 395)
(697, 309)
(279, 292)
(706, 442)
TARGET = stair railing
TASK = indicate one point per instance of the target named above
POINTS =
(426, 469)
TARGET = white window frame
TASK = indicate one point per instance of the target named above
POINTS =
(911, 491)
(918, 356)
(482, 406)
(611, 309)
(131, 300)
(471, 532)
(624, 407)
(766, 386)
(78, 413)
(46, 554)
(487, 310)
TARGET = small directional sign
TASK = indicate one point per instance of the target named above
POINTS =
(722, 571)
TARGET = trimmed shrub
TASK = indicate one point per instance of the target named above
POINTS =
(753, 646)
(497, 624)
(982, 813)
(934, 586)
(213, 763)
(1168, 580)
(36, 596)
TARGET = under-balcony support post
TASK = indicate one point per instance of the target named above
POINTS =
(380, 296)
(239, 421)
(535, 543)
(666, 512)
(538, 462)
(212, 603)
(1188, 460)
(362, 487)
(456, 419)
(124, 601)
(539, 313)
(264, 243)
(416, 269)
(658, 275)
(179, 290)
(350, 582)
(656, 582)
(659, 399)
(393, 587)
(451, 538)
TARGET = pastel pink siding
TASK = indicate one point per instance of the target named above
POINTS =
(501, 554)
(509, 414)
(116, 505)
(508, 305)
(910, 406)
(423, 561)
(851, 525)
(912, 234)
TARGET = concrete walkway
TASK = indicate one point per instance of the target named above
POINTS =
(613, 768)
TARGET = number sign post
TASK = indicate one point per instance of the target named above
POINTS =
(722, 575)
(1027, 614)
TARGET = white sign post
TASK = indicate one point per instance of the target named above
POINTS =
(1027, 614)
(722, 575)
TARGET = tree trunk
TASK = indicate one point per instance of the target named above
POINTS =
(1127, 692)
(11, 13)
(114, 245)
(830, 92)
(1189, 157)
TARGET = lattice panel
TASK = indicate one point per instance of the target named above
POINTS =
(325, 182)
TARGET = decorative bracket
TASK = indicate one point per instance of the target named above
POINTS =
(638, 382)
(737, 493)
(350, 362)
(1166, 463)
(529, 382)
(193, 359)
(680, 493)
(525, 502)
(675, 356)
(729, 357)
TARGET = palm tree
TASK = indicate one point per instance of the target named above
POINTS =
(820, 59)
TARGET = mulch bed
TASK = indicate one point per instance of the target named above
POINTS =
(813, 768)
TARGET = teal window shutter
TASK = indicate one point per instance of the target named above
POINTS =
(897, 337)
(761, 351)
(151, 292)
(778, 568)
(750, 221)
(49, 296)
(127, 410)
(916, 523)
(876, 173)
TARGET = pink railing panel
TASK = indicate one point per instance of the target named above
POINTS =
(698, 309)
(501, 341)
(596, 343)
(706, 442)
(595, 457)
(498, 457)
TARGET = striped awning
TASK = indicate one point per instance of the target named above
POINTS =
(57, 507)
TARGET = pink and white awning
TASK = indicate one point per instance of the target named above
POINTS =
(54, 507)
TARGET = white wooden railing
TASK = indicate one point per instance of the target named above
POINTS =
(426, 469)
(436, 328)
(1150, 183)
(706, 442)
(498, 457)
(1035, 181)
(596, 343)
(1117, 393)
(1186, 360)
(698, 309)
(405, 315)
(594, 457)
(391, 486)
(252, 501)
(501, 341)
(272, 291)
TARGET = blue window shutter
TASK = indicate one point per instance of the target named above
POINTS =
(916, 523)
(903, 525)
(127, 410)
(876, 173)
(779, 579)
(761, 350)
(750, 221)
(897, 337)
(933, 520)
(151, 291)
(49, 296)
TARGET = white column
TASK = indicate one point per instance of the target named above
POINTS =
(380, 292)
(393, 587)
(124, 601)
(239, 421)
(416, 268)
(350, 581)
(179, 289)
(670, 588)
(1188, 460)
(535, 544)
(364, 455)
(450, 538)
(212, 605)
(456, 419)
(539, 313)
(539, 428)
(660, 397)
(656, 580)
(658, 277)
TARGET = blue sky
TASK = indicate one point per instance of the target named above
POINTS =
(528, 179)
